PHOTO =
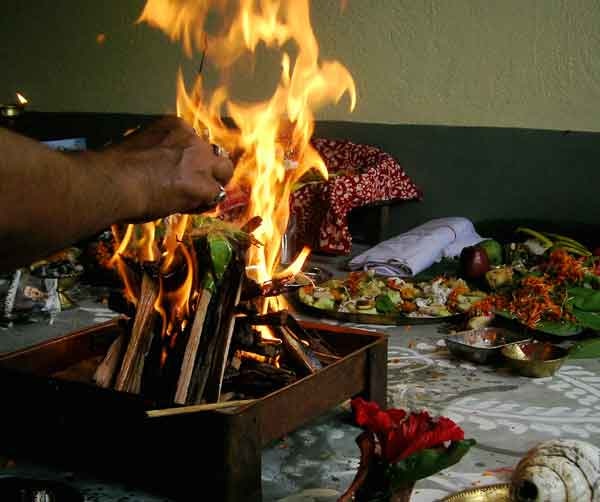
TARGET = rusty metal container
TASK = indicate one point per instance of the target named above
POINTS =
(75, 425)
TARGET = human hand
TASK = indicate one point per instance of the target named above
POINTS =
(170, 169)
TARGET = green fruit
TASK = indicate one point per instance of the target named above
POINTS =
(493, 249)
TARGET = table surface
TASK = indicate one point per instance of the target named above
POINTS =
(505, 413)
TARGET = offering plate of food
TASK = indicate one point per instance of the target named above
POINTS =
(366, 298)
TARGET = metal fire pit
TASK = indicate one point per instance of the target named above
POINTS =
(75, 425)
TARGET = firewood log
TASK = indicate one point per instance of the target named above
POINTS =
(259, 379)
(106, 371)
(191, 351)
(132, 367)
(224, 341)
(217, 255)
(302, 355)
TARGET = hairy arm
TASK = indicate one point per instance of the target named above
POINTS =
(50, 199)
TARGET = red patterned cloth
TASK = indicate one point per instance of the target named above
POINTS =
(359, 175)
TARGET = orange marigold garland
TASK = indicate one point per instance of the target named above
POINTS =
(538, 297)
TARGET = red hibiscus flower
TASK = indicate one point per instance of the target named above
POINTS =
(398, 448)
(372, 418)
(401, 434)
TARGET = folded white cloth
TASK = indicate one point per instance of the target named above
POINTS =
(412, 252)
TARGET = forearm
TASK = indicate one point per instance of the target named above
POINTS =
(49, 199)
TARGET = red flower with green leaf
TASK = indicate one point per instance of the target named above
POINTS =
(404, 447)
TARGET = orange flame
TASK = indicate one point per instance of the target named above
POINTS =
(117, 262)
(273, 136)
(174, 306)
(176, 226)
(148, 249)
(266, 131)
(265, 332)
(22, 99)
(295, 266)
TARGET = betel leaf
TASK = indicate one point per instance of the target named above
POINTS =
(425, 463)
(559, 328)
(590, 320)
(208, 282)
(383, 304)
(562, 328)
(220, 254)
(506, 314)
(585, 299)
(585, 349)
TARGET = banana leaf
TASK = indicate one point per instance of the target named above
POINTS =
(427, 462)
(585, 349)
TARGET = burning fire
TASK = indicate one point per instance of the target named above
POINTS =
(273, 136)
(21, 99)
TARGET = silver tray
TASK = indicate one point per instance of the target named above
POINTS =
(384, 319)
(482, 345)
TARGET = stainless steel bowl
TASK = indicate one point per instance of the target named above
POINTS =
(482, 345)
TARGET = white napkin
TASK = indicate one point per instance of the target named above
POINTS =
(412, 252)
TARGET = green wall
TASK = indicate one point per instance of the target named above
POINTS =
(513, 63)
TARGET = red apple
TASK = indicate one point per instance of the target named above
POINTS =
(474, 262)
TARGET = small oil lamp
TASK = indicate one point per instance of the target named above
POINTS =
(13, 110)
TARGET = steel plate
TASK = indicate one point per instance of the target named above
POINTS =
(489, 493)
(392, 320)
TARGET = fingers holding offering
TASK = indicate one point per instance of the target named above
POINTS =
(204, 176)
(168, 132)
(169, 169)
(222, 170)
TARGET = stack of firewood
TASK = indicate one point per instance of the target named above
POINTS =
(215, 352)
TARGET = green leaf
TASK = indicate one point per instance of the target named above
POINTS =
(590, 320)
(220, 254)
(592, 280)
(446, 267)
(208, 282)
(384, 304)
(564, 328)
(585, 349)
(506, 314)
(427, 462)
(585, 299)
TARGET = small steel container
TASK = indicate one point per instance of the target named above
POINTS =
(482, 345)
